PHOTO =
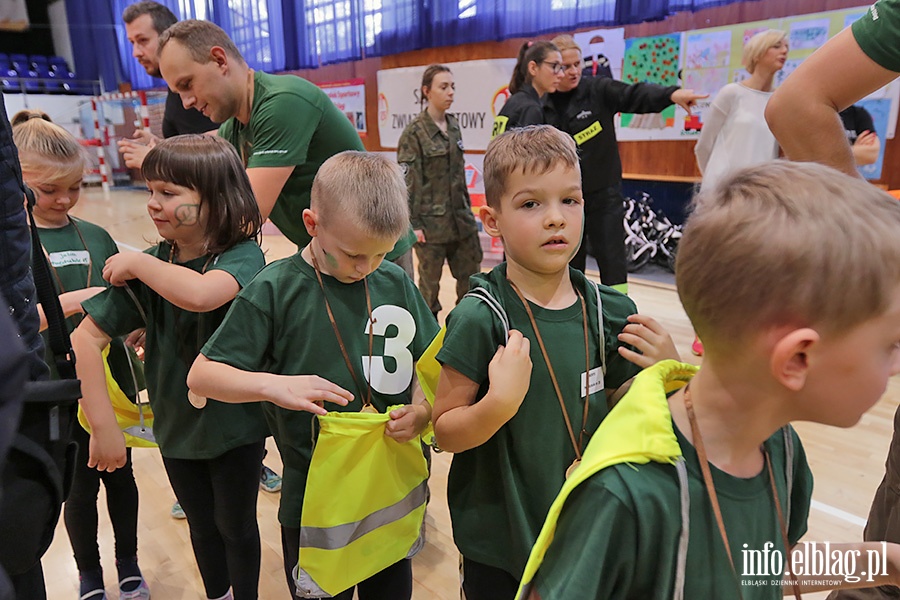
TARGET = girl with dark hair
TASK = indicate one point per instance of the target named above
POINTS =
(440, 211)
(53, 167)
(537, 73)
(205, 211)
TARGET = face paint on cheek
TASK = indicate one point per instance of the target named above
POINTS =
(330, 260)
(187, 214)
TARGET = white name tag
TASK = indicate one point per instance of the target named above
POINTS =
(70, 257)
(595, 381)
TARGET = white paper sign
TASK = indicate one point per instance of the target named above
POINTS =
(481, 90)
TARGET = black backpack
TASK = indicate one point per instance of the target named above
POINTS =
(38, 471)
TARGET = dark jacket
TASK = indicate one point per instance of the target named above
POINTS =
(16, 282)
(523, 108)
(586, 113)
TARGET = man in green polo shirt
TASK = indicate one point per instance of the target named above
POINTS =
(283, 126)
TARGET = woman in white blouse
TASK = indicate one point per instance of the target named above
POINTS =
(735, 133)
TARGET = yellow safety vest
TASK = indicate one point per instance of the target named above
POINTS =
(364, 505)
(135, 420)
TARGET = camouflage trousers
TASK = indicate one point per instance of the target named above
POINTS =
(464, 257)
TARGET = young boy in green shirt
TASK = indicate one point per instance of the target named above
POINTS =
(519, 416)
(294, 333)
(698, 493)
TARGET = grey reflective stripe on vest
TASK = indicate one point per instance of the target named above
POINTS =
(485, 296)
(681, 559)
(308, 588)
(339, 536)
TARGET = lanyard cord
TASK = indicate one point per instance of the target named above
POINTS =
(714, 500)
(578, 446)
(367, 403)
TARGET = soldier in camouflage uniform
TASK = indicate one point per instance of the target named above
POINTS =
(431, 154)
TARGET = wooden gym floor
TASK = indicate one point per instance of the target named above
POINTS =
(847, 464)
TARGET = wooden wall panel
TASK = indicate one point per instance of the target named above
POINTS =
(662, 158)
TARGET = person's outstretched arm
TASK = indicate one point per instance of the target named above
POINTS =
(803, 112)
(225, 383)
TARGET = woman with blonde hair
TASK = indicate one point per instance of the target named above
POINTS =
(735, 133)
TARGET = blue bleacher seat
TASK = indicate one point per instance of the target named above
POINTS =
(49, 81)
(19, 62)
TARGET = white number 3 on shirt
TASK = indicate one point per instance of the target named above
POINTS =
(397, 347)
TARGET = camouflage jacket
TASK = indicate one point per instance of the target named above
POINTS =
(435, 175)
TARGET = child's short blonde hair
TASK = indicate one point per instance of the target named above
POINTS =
(46, 150)
(757, 45)
(366, 188)
(533, 149)
(787, 244)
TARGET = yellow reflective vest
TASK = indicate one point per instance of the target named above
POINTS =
(364, 506)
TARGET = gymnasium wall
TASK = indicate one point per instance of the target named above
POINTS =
(669, 160)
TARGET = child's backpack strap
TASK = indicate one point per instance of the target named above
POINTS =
(602, 340)
(681, 558)
(788, 471)
(485, 296)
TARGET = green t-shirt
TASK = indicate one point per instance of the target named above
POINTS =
(878, 33)
(295, 337)
(293, 123)
(174, 338)
(73, 251)
(617, 537)
(499, 493)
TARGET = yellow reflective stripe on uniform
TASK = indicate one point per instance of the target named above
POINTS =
(500, 123)
(586, 134)
(334, 538)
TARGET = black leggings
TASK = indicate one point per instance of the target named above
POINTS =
(484, 582)
(218, 496)
(391, 583)
(80, 511)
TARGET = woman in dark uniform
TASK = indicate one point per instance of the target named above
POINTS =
(537, 73)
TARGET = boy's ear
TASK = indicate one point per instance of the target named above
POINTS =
(310, 221)
(789, 360)
(488, 216)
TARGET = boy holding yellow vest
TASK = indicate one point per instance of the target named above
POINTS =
(335, 317)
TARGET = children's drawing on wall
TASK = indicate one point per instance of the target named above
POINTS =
(655, 60)
(809, 34)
